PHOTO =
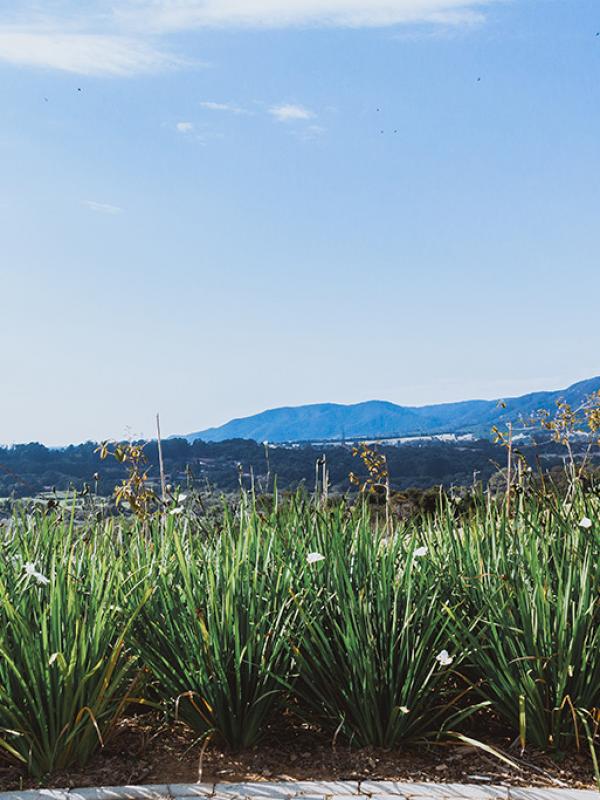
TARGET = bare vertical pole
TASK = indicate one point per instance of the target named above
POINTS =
(317, 470)
(161, 465)
(266, 446)
(388, 500)
(509, 469)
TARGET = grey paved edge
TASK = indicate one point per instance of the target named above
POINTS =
(306, 790)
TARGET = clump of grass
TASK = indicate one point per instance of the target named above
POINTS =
(379, 633)
(372, 655)
(214, 632)
(526, 610)
(65, 674)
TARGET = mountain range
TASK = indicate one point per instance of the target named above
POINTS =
(378, 419)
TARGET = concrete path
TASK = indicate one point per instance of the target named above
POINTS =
(306, 790)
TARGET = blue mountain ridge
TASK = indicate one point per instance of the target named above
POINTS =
(381, 419)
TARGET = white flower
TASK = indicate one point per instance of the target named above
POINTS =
(421, 551)
(182, 498)
(175, 511)
(405, 710)
(585, 523)
(31, 572)
(444, 658)
(313, 558)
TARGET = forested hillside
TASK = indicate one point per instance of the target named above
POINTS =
(29, 469)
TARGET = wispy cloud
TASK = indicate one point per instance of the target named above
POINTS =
(230, 108)
(81, 53)
(197, 132)
(291, 113)
(126, 37)
(171, 15)
(299, 120)
(102, 208)
(312, 132)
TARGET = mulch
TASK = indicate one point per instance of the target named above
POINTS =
(147, 750)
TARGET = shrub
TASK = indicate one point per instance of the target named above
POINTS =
(373, 627)
(65, 675)
(214, 632)
(528, 613)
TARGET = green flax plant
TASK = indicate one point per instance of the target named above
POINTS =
(65, 673)
(524, 602)
(214, 632)
(372, 655)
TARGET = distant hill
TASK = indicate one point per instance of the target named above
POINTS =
(380, 419)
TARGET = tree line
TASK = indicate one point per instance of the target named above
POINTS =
(31, 469)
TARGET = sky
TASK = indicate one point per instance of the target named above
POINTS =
(213, 207)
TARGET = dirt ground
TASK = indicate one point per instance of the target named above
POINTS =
(145, 750)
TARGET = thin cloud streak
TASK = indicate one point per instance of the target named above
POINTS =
(163, 16)
(124, 40)
(81, 53)
(102, 208)
(312, 132)
(229, 108)
(290, 112)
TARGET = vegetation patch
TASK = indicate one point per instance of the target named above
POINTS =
(368, 631)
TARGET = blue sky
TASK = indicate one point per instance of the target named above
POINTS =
(216, 223)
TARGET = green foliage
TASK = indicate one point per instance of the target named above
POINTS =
(27, 470)
(526, 610)
(134, 490)
(65, 674)
(373, 627)
(318, 609)
(215, 630)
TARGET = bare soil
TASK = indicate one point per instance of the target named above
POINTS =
(147, 750)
